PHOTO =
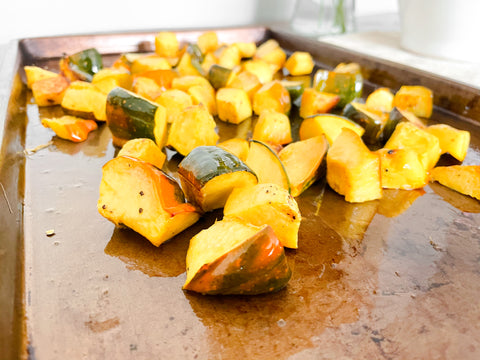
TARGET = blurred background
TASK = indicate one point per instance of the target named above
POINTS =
(31, 18)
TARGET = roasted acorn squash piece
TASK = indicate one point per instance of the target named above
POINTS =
(246, 81)
(131, 116)
(409, 136)
(70, 127)
(264, 162)
(142, 197)
(82, 65)
(35, 73)
(220, 76)
(373, 121)
(209, 174)
(271, 52)
(193, 127)
(232, 257)
(452, 141)
(272, 96)
(207, 41)
(352, 169)
(317, 102)
(380, 100)
(266, 204)
(328, 124)
(300, 63)
(166, 44)
(303, 162)
(402, 169)
(236, 146)
(50, 91)
(263, 70)
(462, 178)
(417, 99)
(109, 78)
(273, 127)
(146, 87)
(84, 99)
(233, 105)
(175, 101)
(143, 149)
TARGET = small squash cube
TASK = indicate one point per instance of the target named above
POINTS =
(193, 127)
(300, 63)
(452, 141)
(85, 100)
(163, 78)
(409, 136)
(352, 169)
(220, 76)
(236, 146)
(35, 73)
(230, 57)
(50, 90)
(186, 67)
(187, 81)
(402, 169)
(417, 99)
(303, 162)
(272, 96)
(209, 174)
(247, 49)
(346, 82)
(273, 127)
(108, 78)
(233, 105)
(317, 102)
(174, 101)
(462, 178)
(233, 257)
(166, 44)
(144, 149)
(208, 61)
(142, 197)
(246, 81)
(208, 41)
(328, 124)
(70, 127)
(149, 63)
(263, 70)
(204, 95)
(146, 88)
(266, 204)
(380, 100)
(271, 52)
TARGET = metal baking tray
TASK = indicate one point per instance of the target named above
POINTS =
(392, 278)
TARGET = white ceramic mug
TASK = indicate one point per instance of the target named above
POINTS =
(447, 29)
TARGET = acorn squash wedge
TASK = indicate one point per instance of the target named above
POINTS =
(464, 179)
(266, 204)
(232, 257)
(81, 65)
(208, 175)
(144, 198)
(131, 116)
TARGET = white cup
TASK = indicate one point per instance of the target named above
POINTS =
(448, 29)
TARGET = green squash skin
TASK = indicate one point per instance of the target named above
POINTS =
(204, 163)
(86, 63)
(250, 269)
(218, 76)
(373, 128)
(347, 86)
(130, 116)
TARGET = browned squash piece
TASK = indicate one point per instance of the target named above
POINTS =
(35, 73)
(143, 149)
(107, 79)
(303, 162)
(149, 63)
(266, 204)
(272, 96)
(209, 174)
(146, 87)
(402, 169)
(380, 100)
(264, 162)
(233, 105)
(273, 127)
(207, 41)
(49, 91)
(317, 102)
(352, 169)
(329, 124)
(163, 78)
(232, 257)
(409, 136)
(271, 52)
(193, 127)
(142, 197)
(417, 99)
(84, 99)
(246, 81)
(261, 69)
(236, 146)
(70, 127)
(300, 63)
(452, 141)
(174, 101)
(462, 178)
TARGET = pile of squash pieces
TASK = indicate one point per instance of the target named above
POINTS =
(170, 99)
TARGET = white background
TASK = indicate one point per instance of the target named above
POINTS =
(32, 18)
